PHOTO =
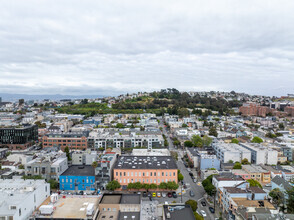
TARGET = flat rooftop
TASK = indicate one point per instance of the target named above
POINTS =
(73, 207)
(130, 199)
(129, 216)
(145, 162)
(111, 199)
(252, 203)
(178, 212)
(79, 170)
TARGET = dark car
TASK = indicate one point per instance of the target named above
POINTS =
(192, 194)
(174, 194)
(169, 195)
(144, 194)
(81, 193)
(149, 194)
(191, 174)
(211, 209)
(184, 186)
(203, 203)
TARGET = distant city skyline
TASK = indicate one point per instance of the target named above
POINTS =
(117, 47)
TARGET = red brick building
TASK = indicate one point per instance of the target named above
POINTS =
(289, 110)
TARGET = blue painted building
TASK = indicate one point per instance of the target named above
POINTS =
(95, 121)
(208, 161)
(78, 178)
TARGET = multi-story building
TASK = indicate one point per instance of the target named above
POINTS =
(83, 157)
(202, 159)
(261, 154)
(20, 198)
(145, 169)
(78, 178)
(125, 139)
(74, 141)
(16, 138)
(49, 165)
(249, 109)
(119, 207)
(287, 152)
(226, 152)
(290, 110)
(254, 172)
(3, 152)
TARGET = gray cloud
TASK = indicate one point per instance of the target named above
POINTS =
(112, 47)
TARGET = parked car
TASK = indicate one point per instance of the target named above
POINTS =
(194, 180)
(153, 194)
(192, 194)
(169, 195)
(163, 194)
(144, 194)
(174, 194)
(189, 170)
(203, 213)
(184, 186)
(191, 174)
(211, 209)
(139, 193)
(203, 203)
(158, 194)
(149, 194)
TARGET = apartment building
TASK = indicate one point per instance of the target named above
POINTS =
(145, 169)
(126, 139)
(255, 172)
(18, 138)
(261, 154)
(49, 165)
(20, 198)
(242, 195)
(80, 157)
(290, 110)
(226, 152)
(202, 159)
(72, 140)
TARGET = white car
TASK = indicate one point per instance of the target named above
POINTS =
(203, 213)
(189, 170)
(163, 194)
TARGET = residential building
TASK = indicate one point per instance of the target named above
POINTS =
(120, 207)
(242, 195)
(78, 178)
(261, 154)
(145, 169)
(290, 110)
(3, 152)
(49, 165)
(20, 198)
(126, 139)
(83, 157)
(230, 152)
(18, 138)
(282, 185)
(254, 172)
(250, 109)
(287, 152)
(177, 211)
(74, 141)
(203, 159)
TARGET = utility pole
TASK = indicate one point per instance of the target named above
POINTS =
(181, 194)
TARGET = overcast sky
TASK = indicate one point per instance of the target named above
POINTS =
(113, 47)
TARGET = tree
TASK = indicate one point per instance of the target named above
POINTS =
(183, 112)
(206, 140)
(53, 184)
(172, 185)
(66, 150)
(230, 161)
(20, 101)
(213, 132)
(277, 195)
(188, 144)
(162, 185)
(245, 161)
(235, 141)
(257, 140)
(176, 143)
(198, 217)
(153, 186)
(146, 186)
(237, 166)
(184, 125)
(290, 200)
(94, 164)
(207, 185)
(253, 182)
(180, 177)
(113, 185)
(197, 141)
(192, 203)
(281, 126)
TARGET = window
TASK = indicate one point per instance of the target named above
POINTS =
(19, 212)
(116, 173)
(150, 173)
(154, 173)
(124, 173)
(162, 173)
(143, 174)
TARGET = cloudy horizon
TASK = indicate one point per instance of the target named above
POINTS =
(116, 47)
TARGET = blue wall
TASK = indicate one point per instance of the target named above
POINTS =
(82, 182)
(209, 163)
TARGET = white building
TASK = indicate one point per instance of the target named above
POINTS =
(19, 198)
(261, 154)
(226, 152)
(84, 157)
(20, 158)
